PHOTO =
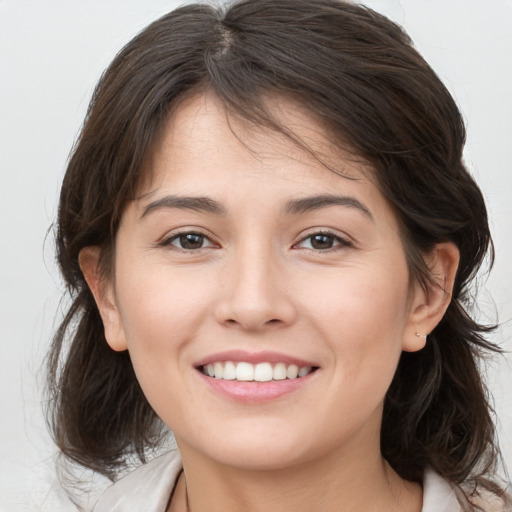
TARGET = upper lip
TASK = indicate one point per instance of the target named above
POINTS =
(253, 358)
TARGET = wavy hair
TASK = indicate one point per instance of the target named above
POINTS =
(359, 74)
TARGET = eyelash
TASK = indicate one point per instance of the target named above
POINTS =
(336, 238)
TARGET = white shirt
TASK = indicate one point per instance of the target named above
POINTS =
(147, 489)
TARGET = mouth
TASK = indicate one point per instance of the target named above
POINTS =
(244, 371)
(253, 378)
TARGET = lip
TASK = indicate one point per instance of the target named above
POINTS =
(238, 356)
(254, 392)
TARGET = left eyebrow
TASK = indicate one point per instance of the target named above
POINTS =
(200, 204)
(308, 204)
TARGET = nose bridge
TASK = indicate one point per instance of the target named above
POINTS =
(254, 287)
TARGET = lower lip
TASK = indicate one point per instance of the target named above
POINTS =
(255, 392)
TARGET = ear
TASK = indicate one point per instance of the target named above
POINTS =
(103, 292)
(428, 305)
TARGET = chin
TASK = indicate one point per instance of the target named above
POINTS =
(254, 450)
(260, 458)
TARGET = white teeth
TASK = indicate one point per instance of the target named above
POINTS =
(219, 370)
(229, 371)
(292, 371)
(244, 371)
(302, 372)
(261, 372)
(279, 371)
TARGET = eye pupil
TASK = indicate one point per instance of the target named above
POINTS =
(191, 241)
(322, 241)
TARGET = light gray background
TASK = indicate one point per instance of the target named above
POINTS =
(51, 55)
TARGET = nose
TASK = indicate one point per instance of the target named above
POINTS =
(254, 292)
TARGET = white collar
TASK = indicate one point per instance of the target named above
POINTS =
(438, 494)
(148, 488)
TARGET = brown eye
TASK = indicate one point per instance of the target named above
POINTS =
(323, 242)
(189, 241)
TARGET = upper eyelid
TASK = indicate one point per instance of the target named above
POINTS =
(186, 230)
(325, 231)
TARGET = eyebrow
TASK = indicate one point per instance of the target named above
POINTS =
(308, 204)
(294, 207)
(200, 204)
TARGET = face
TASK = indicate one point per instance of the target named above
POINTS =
(264, 299)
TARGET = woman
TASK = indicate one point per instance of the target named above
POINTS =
(269, 233)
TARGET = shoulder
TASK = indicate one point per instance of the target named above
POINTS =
(146, 488)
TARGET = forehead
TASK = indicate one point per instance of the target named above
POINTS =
(200, 132)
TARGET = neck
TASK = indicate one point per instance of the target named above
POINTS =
(334, 483)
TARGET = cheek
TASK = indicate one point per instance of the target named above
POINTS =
(361, 320)
(161, 318)
(160, 311)
(361, 316)
(359, 301)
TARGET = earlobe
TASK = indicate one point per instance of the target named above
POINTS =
(104, 296)
(429, 304)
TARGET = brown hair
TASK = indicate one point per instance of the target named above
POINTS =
(356, 71)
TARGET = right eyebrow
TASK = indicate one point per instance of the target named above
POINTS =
(200, 204)
(306, 204)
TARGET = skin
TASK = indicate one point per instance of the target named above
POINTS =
(258, 281)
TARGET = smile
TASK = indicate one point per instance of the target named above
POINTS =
(260, 372)
(251, 378)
